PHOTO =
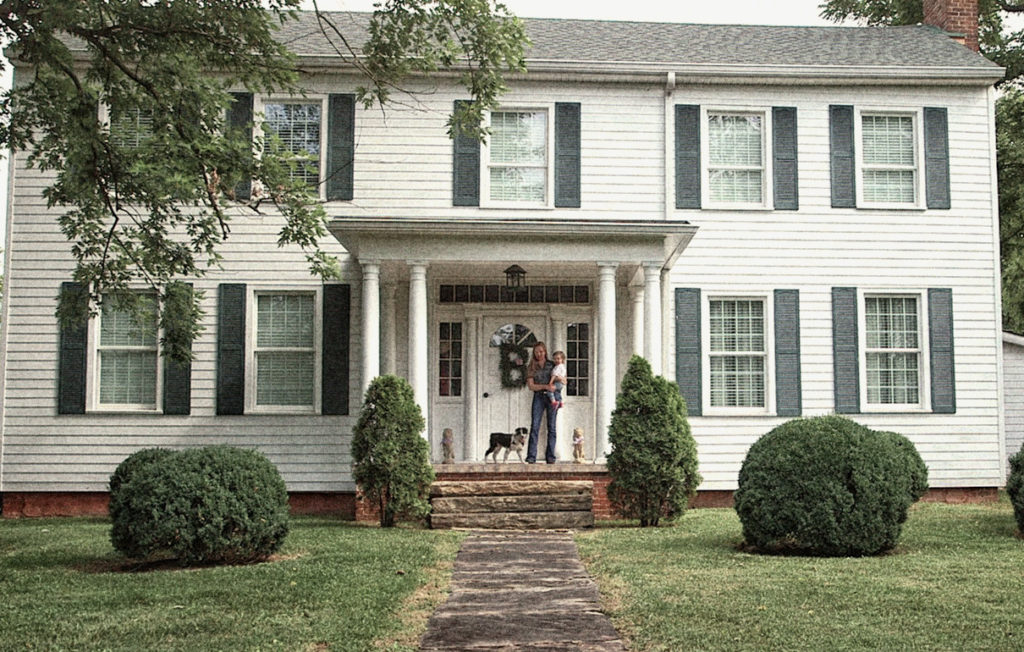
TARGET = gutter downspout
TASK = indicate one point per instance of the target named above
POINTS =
(997, 287)
(668, 370)
(5, 308)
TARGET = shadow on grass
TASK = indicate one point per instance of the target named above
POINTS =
(123, 565)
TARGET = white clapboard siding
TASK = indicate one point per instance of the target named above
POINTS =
(1013, 392)
(402, 169)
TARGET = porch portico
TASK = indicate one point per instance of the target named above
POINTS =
(442, 280)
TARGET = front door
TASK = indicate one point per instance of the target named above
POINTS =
(503, 409)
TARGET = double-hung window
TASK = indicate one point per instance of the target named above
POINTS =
(285, 352)
(518, 155)
(736, 169)
(893, 350)
(737, 353)
(889, 159)
(298, 126)
(129, 127)
(127, 358)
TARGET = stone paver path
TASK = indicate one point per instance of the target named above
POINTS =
(520, 591)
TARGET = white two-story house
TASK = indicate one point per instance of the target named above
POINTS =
(787, 221)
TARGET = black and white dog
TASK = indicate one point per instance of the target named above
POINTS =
(509, 441)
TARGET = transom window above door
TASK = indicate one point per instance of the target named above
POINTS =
(517, 157)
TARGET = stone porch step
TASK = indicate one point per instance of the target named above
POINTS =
(510, 504)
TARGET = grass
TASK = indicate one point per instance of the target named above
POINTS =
(336, 586)
(953, 583)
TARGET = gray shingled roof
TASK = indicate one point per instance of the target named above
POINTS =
(602, 42)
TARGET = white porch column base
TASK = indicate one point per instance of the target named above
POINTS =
(388, 331)
(418, 339)
(606, 358)
(636, 294)
(370, 323)
(652, 316)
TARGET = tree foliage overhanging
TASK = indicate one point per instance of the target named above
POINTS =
(148, 212)
(1004, 46)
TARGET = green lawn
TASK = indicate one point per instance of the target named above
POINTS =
(339, 586)
(955, 582)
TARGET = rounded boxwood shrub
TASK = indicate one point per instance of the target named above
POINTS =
(203, 505)
(1015, 488)
(391, 461)
(828, 486)
(653, 463)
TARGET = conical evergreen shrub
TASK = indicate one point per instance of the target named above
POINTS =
(1015, 488)
(653, 463)
(391, 460)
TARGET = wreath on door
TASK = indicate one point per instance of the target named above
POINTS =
(512, 362)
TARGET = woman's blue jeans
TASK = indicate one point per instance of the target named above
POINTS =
(541, 405)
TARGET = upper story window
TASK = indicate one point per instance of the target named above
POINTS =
(129, 127)
(517, 156)
(297, 124)
(893, 350)
(736, 158)
(127, 357)
(889, 159)
(737, 353)
(284, 352)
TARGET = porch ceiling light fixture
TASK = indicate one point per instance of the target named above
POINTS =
(514, 277)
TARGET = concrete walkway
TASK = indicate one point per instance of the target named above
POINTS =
(520, 591)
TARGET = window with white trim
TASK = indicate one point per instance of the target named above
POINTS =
(449, 354)
(298, 125)
(127, 357)
(129, 127)
(737, 353)
(285, 351)
(736, 169)
(888, 159)
(893, 352)
(517, 158)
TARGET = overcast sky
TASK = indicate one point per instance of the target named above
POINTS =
(750, 12)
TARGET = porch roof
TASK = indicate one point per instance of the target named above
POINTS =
(513, 240)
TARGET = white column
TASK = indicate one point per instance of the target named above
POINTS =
(469, 389)
(389, 358)
(371, 323)
(606, 357)
(668, 364)
(652, 316)
(418, 339)
(636, 295)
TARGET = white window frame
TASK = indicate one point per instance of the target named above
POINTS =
(106, 118)
(769, 354)
(92, 377)
(253, 292)
(259, 106)
(485, 159)
(923, 367)
(918, 167)
(765, 113)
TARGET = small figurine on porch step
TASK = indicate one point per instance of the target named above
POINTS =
(577, 445)
(447, 445)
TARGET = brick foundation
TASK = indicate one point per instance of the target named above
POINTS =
(350, 506)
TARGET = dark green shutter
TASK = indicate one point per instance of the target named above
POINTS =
(688, 373)
(786, 188)
(240, 117)
(940, 341)
(845, 350)
(231, 348)
(936, 158)
(841, 147)
(567, 155)
(465, 169)
(178, 381)
(687, 156)
(788, 401)
(341, 146)
(72, 364)
(335, 372)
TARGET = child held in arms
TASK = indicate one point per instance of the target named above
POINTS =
(558, 376)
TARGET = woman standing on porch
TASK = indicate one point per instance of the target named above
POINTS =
(538, 379)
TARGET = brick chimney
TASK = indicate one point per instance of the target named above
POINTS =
(958, 17)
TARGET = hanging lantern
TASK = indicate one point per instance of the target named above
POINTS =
(514, 277)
